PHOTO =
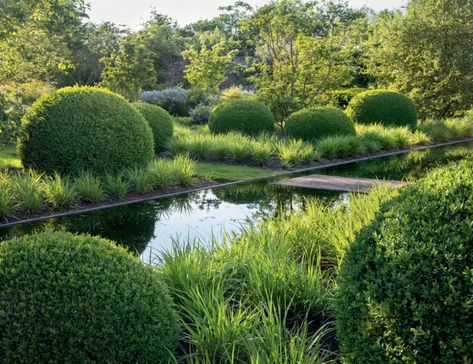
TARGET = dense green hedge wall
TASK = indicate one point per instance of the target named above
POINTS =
(381, 106)
(84, 128)
(316, 123)
(160, 122)
(245, 116)
(406, 285)
(68, 298)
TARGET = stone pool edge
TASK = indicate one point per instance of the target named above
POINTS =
(319, 165)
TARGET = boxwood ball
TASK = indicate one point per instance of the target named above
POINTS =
(84, 128)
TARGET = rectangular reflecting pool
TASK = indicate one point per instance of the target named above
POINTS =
(146, 228)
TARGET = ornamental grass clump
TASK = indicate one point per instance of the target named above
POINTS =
(68, 298)
(405, 285)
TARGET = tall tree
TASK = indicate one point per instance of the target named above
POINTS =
(302, 52)
(427, 52)
(36, 38)
(210, 61)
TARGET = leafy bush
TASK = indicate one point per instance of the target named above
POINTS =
(84, 128)
(201, 114)
(174, 100)
(316, 123)
(160, 122)
(244, 116)
(342, 97)
(236, 92)
(80, 299)
(381, 106)
(15, 99)
(406, 283)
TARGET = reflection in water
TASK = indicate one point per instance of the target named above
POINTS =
(147, 227)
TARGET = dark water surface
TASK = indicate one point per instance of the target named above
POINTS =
(148, 227)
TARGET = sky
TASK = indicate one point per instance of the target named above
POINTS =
(132, 13)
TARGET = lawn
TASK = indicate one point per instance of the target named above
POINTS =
(228, 173)
(9, 157)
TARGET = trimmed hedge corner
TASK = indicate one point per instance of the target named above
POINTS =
(245, 116)
(406, 285)
(160, 122)
(84, 128)
(382, 106)
(316, 123)
(68, 298)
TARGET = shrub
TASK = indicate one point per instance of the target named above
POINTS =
(406, 283)
(84, 128)
(201, 114)
(244, 116)
(236, 92)
(160, 122)
(80, 299)
(174, 100)
(316, 123)
(342, 97)
(381, 106)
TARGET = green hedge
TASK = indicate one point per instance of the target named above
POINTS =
(84, 128)
(78, 299)
(160, 122)
(316, 123)
(406, 285)
(245, 116)
(381, 106)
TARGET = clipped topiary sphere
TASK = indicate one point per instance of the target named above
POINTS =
(381, 106)
(68, 298)
(245, 116)
(316, 123)
(84, 128)
(406, 285)
(160, 122)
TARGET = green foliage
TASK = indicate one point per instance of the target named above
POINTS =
(130, 69)
(116, 186)
(160, 122)
(447, 129)
(210, 62)
(405, 285)
(117, 309)
(231, 147)
(175, 100)
(304, 49)
(37, 38)
(27, 192)
(244, 116)
(89, 188)
(295, 152)
(426, 52)
(201, 114)
(382, 106)
(342, 97)
(84, 128)
(60, 192)
(15, 99)
(317, 123)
